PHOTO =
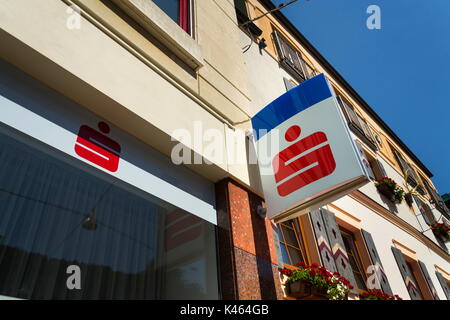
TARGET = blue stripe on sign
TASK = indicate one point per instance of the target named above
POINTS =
(297, 99)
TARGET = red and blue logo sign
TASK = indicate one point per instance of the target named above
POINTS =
(303, 136)
(316, 155)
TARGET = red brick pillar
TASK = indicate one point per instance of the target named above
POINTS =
(247, 258)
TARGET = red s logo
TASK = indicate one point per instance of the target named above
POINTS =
(98, 148)
(313, 165)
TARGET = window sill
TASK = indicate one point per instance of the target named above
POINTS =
(164, 29)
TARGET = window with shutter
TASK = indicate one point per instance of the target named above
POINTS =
(291, 59)
(348, 111)
(427, 277)
(365, 128)
(292, 246)
(381, 167)
(425, 211)
(323, 244)
(365, 160)
(437, 200)
(408, 277)
(444, 284)
(309, 71)
(356, 123)
(408, 171)
(380, 276)
(354, 258)
(331, 245)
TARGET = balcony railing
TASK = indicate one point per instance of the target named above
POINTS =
(291, 59)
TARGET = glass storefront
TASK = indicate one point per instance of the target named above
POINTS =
(56, 212)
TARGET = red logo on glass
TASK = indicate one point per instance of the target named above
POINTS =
(312, 166)
(98, 148)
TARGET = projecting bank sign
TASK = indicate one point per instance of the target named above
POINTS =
(306, 155)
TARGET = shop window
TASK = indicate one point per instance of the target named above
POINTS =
(178, 10)
(354, 258)
(292, 245)
(58, 211)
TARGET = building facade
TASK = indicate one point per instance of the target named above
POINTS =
(101, 99)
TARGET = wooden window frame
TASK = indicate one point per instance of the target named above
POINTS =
(358, 258)
(302, 245)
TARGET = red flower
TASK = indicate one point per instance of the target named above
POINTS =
(314, 265)
(350, 287)
(286, 272)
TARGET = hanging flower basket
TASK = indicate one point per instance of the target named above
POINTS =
(388, 188)
(442, 231)
(409, 199)
(313, 282)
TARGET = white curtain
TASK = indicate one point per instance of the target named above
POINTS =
(43, 203)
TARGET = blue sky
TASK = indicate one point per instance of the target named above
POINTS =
(401, 70)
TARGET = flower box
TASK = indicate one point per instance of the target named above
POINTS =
(387, 187)
(314, 282)
(386, 191)
(302, 289)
